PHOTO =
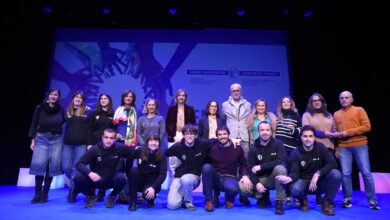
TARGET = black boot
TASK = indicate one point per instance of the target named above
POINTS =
(37, 195)
(89, 202)
(38, 189)
(100, 195)
(123, 199)
(150, 203)
(110, 201)
(46, 188)
(45, 194)
(279, 209)
(72, 195)
(133, 206)
(244, 201)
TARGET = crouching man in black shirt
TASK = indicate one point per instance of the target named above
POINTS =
(312, 171)
(102, 172)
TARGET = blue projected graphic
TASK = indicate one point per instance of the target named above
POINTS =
(155, 63)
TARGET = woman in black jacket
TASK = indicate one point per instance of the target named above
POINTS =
(150, 173)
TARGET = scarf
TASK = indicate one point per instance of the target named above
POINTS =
(131, 130)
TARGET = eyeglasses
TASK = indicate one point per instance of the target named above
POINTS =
(188, 133)
(316, 100)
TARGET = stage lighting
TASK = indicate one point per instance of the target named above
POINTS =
(172, 10)
(106, 10)
(46, 9)
(241, 12)
(307, 14)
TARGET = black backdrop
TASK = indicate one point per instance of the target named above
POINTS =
(327, 58)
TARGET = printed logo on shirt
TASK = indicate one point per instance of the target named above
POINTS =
(115, 157)
(314, 159)
(259, 157)
(197, 155)
(99, 159)
(273, 154)
(183, 157)
(152, 165)
(303, 163)
(97, 117)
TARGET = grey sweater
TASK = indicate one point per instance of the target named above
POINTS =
(145, 126)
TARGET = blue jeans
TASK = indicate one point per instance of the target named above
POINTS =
(70, 156)
(47, 150)
(328, 184)
(181, 190)
(213, 180)
(360, 154)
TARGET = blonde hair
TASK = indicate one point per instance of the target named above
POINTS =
(145, 109)
(180, 91)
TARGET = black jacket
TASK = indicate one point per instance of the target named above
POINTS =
(98, 121)
(303, 164)
(191, 158)
(47, 119)
(104, 161)
(268, 157)
(76, 129)
(152, 170)
(204, 126)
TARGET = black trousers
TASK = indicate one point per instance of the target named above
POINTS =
(85, 185)
(138, 183)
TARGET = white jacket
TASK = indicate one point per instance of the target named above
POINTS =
(236, 118)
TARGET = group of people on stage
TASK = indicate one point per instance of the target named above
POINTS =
(236, 149)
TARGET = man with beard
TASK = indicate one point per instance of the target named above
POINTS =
(265, 162)
(220, 172)
(312, 171)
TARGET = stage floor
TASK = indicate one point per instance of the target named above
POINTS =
(15, 204)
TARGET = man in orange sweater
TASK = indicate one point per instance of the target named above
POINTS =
(352, 124)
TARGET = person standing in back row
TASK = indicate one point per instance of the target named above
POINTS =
(353, 125)
(237, 110)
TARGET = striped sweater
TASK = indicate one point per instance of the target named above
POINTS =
(290, 138)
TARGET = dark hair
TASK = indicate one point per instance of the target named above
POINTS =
(222, 128)
(124, 94)
(208, 108)
(307, 128)
(292, 108)
(324, 107)
(99, 108)
(146, 151)
(80, 111)
(190, 128)
(264, 122)
(109, 130)
(50, 91)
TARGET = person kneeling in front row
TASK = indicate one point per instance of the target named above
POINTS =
(313, 170)
(103, 160)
